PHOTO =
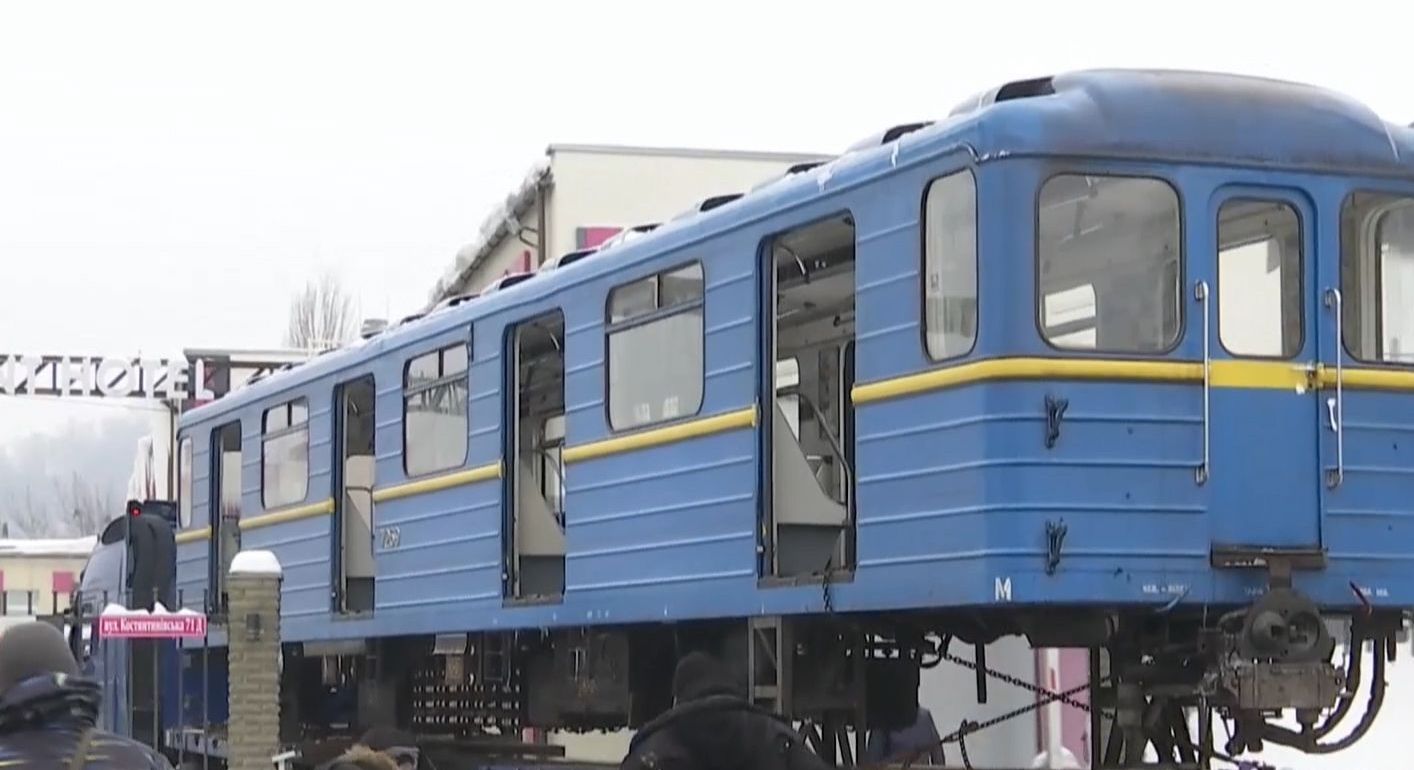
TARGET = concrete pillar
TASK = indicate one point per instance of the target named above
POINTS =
(254, 657)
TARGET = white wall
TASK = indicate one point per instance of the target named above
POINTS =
(622, 187)
(627, 188)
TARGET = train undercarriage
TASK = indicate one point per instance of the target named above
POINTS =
(1161, 680)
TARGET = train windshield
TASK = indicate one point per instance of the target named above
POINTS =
(1377, 266)
(1108, 251)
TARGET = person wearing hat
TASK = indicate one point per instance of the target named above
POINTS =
(48, 712)
(712, 726)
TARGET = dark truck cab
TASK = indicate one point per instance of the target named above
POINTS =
(132, 565)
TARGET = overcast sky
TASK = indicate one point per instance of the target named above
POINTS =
(170, 173)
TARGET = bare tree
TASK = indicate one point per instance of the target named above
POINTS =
(90, 507)
(72, 507)
(30, 517)
(323, 315)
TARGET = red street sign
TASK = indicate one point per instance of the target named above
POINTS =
(151, 626)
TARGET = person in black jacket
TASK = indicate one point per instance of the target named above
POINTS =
(48, 712)
(712, 726)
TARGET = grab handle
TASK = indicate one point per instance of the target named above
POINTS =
(1337, 410)
(1200, 293)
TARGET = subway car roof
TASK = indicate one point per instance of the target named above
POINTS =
(1160, 115)
(1192, 117)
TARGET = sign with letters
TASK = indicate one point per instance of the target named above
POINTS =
(158, 378)
(141, 625)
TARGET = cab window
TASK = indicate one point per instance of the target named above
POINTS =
(1108, 251)
(1377, 277)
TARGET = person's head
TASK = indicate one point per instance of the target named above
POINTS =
(699, 675)
(33, 649)
(392, 743)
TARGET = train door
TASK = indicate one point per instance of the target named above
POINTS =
(352, 531)
(807, 419)
(1264, 322)
(225, 509)
(534, 440)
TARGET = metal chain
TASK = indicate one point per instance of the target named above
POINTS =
(973, 727)
(962, 731)
(959, 736)
(1064, 697)
(968, 727)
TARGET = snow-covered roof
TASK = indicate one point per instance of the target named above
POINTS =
(497, 225)
(78, 547)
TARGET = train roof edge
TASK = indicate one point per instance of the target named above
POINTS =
(1161, 115)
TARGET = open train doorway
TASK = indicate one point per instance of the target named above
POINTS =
(352, 530)
(535, 437)
(807, 429)
(225, 510)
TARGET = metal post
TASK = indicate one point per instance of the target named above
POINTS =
(861, 695)
(1096, 747)
(156, 684)
(128, 659)
(206, 684)
(174, 413)
(181, 720)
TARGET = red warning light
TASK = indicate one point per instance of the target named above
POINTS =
(134, 508)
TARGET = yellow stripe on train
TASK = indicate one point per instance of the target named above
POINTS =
(438, 483)
(706, 426)
(1269, 375)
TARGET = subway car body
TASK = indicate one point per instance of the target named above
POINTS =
(1111, 359)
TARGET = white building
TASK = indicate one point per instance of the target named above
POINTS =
(37, 576)
(578, 196)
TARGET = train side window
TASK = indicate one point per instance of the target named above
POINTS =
(284, 452)
(1377, 277)
(184, 482)
(1259, 278)
(434, 411)
(655, 348)
(950, 265)
(1120, 237)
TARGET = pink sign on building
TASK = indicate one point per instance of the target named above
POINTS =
(589, 237)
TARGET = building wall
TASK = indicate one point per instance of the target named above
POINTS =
(603, 189)
(44, 580)
(621, 189)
